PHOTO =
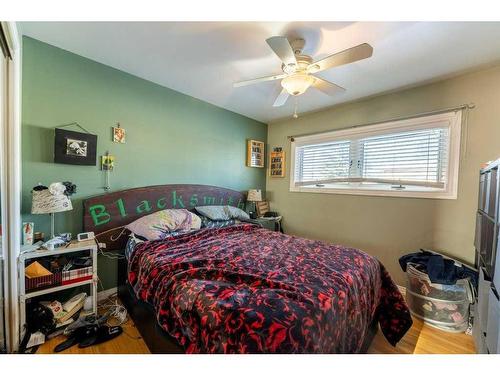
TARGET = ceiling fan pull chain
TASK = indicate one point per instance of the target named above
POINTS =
(295, 115)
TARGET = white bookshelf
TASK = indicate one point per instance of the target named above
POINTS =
(33, 252)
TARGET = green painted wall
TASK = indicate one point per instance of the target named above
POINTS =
(171, 137)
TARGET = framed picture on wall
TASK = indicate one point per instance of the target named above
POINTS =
(119, 134)
(77, 148)
(107, 162)
(277, 163)
(255, 153)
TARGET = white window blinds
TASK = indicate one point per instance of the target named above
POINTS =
(322, 162)
(411, 155)
(415, 157)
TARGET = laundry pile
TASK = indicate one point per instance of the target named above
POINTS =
(439, 290)
(440, 269)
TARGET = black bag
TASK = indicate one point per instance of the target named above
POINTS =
(38, 318)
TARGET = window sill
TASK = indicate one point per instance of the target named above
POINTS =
(381, 191)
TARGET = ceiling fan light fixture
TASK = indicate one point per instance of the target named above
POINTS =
(298, 68)
(297, 84)
(289, 69)
(313, 68)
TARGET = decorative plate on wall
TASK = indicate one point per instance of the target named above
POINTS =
(77, 148)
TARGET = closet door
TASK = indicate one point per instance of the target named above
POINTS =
(4, 55)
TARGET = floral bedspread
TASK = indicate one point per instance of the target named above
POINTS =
(245, 289)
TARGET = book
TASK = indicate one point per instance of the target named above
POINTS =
(69, 314)
(71, 307)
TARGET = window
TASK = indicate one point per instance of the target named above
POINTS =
(417, 157)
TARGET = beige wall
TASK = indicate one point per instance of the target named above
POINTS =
(388, 227)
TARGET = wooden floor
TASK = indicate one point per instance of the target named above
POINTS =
(129, 342)
(421, 339)
(424, 339)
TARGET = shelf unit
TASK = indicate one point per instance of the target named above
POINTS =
(31, 252)
(487, 310)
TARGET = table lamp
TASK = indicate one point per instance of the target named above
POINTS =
(49, 201)
(254, 195)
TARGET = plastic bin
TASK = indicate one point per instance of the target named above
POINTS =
(443, 306)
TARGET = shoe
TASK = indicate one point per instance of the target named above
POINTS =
(76, 337)
(101, 334)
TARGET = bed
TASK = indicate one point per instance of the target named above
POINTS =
(242, 288)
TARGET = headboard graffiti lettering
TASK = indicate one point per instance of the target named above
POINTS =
(113, 210)
(100, 216)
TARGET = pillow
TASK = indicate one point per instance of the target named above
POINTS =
(132, 242)
(195, 221)
(159, 224)
(237, 213)
(222, 212)
(213, 212)
(207, 223)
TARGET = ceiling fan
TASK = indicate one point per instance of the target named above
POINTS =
(298, 69)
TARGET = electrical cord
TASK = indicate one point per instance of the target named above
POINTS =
(115, 310)
(118, 312)
(111, 255)
(108, 254)
(113, 307)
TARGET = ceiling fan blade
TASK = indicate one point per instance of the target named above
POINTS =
(347, 56)
(282, 48)
(327, 87)
(281, 99)
(257, 80)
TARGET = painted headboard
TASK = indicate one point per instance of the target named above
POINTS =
(106, 214)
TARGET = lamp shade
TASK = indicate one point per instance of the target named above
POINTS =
(254, 195)
(44, 202)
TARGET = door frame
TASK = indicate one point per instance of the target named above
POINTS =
(11, 185)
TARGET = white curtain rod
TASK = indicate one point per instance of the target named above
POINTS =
(457, 108)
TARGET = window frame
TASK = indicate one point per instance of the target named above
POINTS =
(452, 120)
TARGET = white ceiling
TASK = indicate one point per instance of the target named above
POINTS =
(203, 59)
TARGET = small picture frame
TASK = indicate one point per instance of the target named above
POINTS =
(262, 208)
(72, 147)
(28, 233)
(76, 147)
(119, 134)
(107, 162)
(277, 163)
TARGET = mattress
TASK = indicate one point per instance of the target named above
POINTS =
(245, 289)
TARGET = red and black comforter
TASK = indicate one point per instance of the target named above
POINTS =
(244, 289)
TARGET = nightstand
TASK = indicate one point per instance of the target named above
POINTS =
(57, 281)
(271, 223)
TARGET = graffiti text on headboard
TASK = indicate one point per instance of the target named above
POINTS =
(120, 208)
